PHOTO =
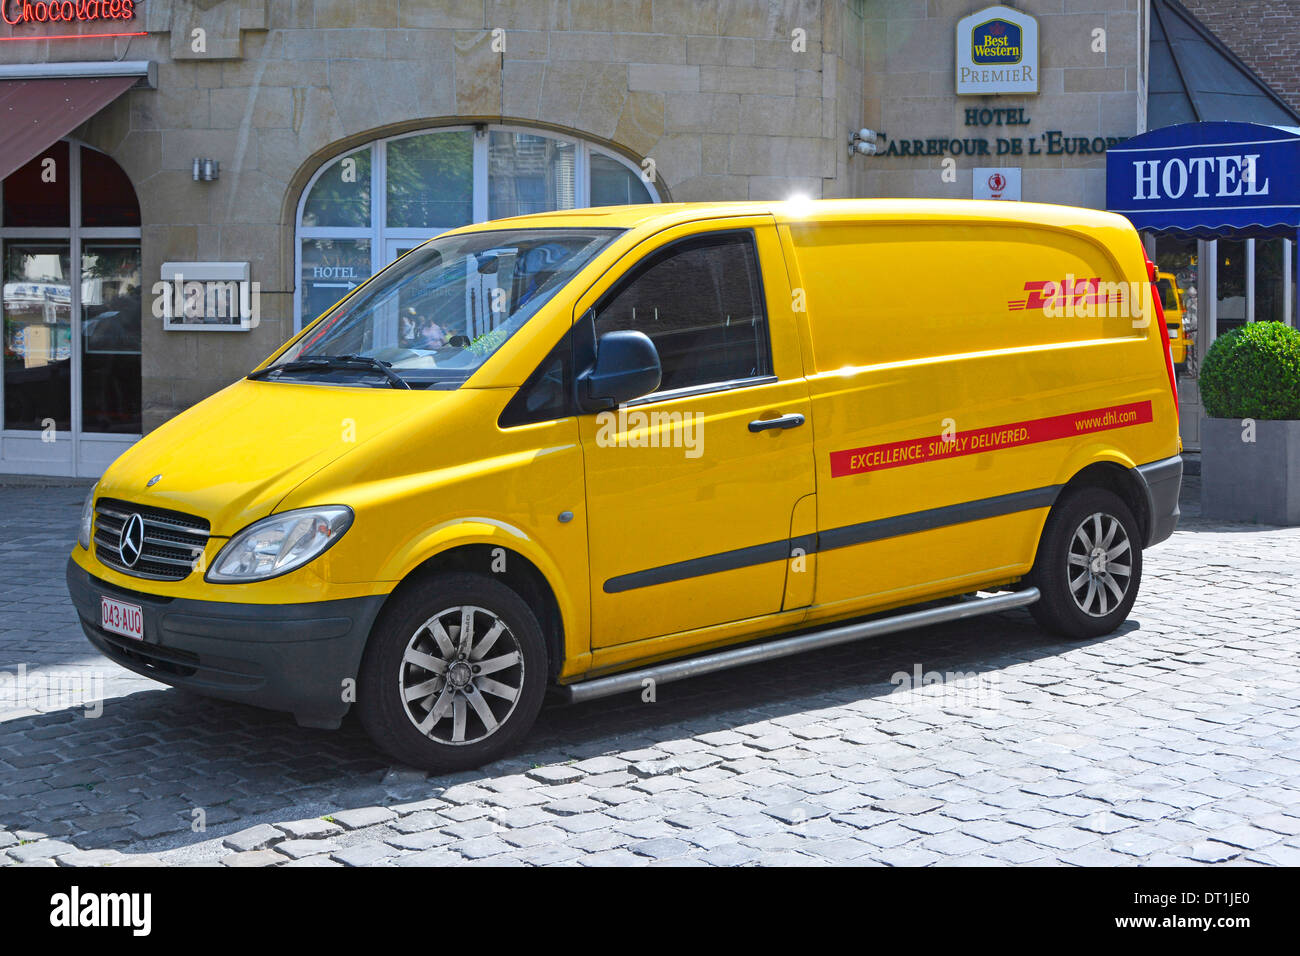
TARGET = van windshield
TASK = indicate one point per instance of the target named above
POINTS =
(434, 316)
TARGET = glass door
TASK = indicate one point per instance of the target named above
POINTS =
(38, 338)
(70, 307)
(110, 336)
(1177, 280)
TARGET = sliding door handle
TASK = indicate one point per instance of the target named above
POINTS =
(785, 421)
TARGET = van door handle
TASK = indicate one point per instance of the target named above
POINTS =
(785, 421)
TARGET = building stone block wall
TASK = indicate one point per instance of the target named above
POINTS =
(909, 92)
(719, 95)
(732, 100)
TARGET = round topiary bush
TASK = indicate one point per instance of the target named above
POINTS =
(1253, 372)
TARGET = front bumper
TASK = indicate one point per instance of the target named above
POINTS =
(1162, 479)
(291, 657)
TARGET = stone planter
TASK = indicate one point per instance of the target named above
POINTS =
(1255, 481)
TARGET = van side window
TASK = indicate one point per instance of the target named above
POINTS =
(701, 302)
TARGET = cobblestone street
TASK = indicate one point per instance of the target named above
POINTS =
(1173, 741)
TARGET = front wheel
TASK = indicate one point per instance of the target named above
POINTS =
(1089, 564)
(454, 674)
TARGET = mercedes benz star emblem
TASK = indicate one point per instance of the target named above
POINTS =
(131, 542)
(152, 481)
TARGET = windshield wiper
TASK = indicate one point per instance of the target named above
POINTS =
(328, 362)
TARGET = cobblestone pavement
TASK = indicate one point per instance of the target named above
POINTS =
(1174, 741)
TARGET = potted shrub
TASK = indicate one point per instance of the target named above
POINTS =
(1250, 442)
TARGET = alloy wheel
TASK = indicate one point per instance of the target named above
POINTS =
(1100, 564)
(461, 675)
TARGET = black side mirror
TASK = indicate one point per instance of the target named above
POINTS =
(627, 367)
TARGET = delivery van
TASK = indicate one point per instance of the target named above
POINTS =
(1172, 304)
(579, 452)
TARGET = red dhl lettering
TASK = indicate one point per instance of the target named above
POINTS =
(1079, 292)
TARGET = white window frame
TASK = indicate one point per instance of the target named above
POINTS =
(77, 460)
(380, 233)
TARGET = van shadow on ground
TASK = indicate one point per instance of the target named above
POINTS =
(133, 777)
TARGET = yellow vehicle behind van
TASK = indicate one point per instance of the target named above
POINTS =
(1172, 303)
(568, 452)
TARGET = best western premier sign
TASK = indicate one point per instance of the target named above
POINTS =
(997, 52)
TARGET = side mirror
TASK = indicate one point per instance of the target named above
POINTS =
(627, 367)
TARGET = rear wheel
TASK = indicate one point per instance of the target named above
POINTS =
(454, 674)
(1089, 564)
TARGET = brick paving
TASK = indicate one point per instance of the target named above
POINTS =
(1174, 741)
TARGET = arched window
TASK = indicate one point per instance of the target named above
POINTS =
(71, 271)
(366, 207)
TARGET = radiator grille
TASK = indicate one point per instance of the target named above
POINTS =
(173, 540)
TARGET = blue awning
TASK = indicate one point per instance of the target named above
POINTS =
(1209, 180)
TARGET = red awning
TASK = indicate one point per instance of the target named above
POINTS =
(35, 114)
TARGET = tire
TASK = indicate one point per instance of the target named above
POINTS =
(1102, 594)
(466, 719)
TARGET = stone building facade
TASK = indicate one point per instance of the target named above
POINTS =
(730, 100)
(1091, 71)
(725, 100)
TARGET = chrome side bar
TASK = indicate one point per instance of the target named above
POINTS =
(788, 646)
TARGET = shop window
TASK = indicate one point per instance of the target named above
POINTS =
(613, 184)
(529, 173)
(431, 181)
(341, 196)
(37, 195)
(1270, 265)
(110, 335)
(1230, 312)
(71, 327)
(365, 208)
(332, 268)
(1178, 257)
(38, 335)
(107, 196)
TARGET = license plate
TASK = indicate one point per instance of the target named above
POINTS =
(121, 618)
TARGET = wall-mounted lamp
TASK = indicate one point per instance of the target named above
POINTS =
(206, 170)
(863, 141)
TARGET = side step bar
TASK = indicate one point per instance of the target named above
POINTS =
(785, 647)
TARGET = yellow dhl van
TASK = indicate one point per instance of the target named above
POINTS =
(579, 450)
(1172, 304)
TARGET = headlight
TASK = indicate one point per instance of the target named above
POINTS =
(280, 543)
(87, 519)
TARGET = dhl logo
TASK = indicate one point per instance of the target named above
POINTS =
(1065, 296)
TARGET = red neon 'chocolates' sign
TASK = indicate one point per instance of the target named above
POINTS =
(65, 11)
